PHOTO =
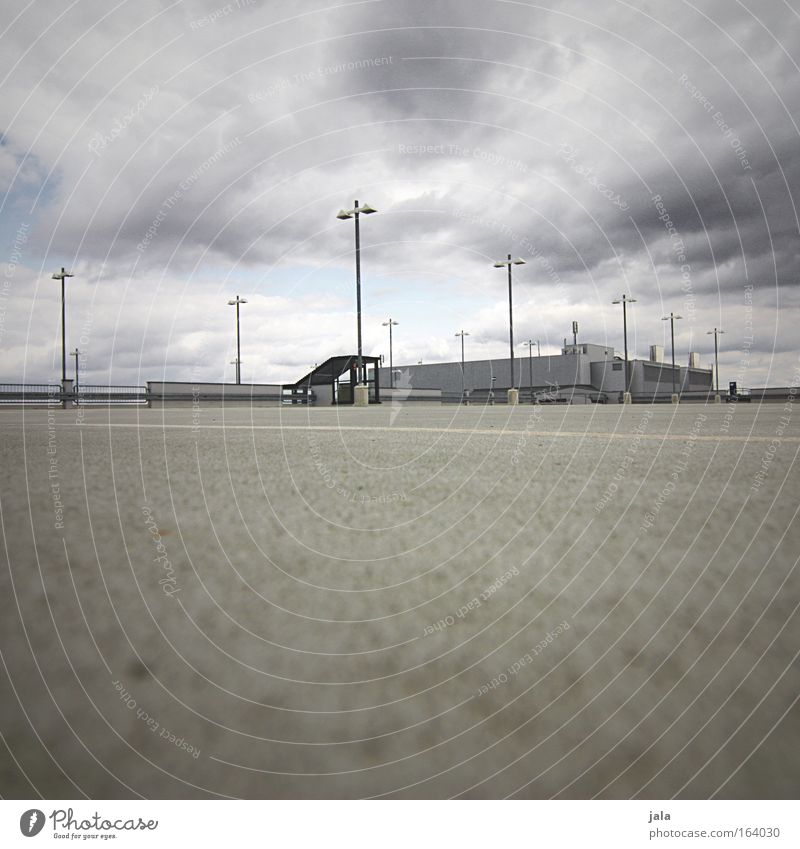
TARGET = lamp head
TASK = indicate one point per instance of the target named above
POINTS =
(344, 214)
(366, 209)
(61, 275)
(519, 261)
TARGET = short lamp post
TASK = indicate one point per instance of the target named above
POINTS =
(462, 334)
(236, 303)
(508, 262)
(716, 334)
(355, 213)
(390, 324)
(672, 318)
(76, 353)
(530, 343)
(625, 300)
(62, 275)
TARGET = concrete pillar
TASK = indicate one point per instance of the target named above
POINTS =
(626, 398)
(513, 397)
(361, 395)
(675, 399)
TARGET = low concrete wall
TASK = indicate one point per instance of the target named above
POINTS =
(775, 393)
(403, 395)
(163, 393)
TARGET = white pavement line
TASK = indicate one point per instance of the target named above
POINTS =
(652, 437)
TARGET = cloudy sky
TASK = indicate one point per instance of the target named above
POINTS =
(173, 155)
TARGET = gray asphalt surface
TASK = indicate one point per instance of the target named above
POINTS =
(403, 602)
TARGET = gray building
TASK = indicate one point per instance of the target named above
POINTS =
(581, 374)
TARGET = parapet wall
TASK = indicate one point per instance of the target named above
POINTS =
(177, 393)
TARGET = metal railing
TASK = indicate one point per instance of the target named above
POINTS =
(698, 396)
(86, 395)
(30, 393)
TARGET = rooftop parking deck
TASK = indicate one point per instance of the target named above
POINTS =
(402, 601)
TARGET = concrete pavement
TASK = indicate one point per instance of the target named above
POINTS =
(401, 601)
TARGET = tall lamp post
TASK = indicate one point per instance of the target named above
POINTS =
(716, 333)
(530, 343)
(671, 318)
(236, 303)
(344, 214)
(62, 275)
(625, 300)
(462, 334)
(390, 324)
(508, 262)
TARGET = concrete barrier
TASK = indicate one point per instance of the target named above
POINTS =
(163, 393)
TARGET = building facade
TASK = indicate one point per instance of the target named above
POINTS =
(584, 373)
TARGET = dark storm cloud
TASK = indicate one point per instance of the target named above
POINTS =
(649, 148)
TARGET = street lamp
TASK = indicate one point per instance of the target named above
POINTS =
(462, 334)
(509, 262)
(716, 358)
(671, 319)
(76, 353)
(390, 324)
(236, 303)
(625, 300)
(530, 344)
(62, 275)
(344, 214)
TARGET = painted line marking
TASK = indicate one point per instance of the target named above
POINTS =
(592, 434)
